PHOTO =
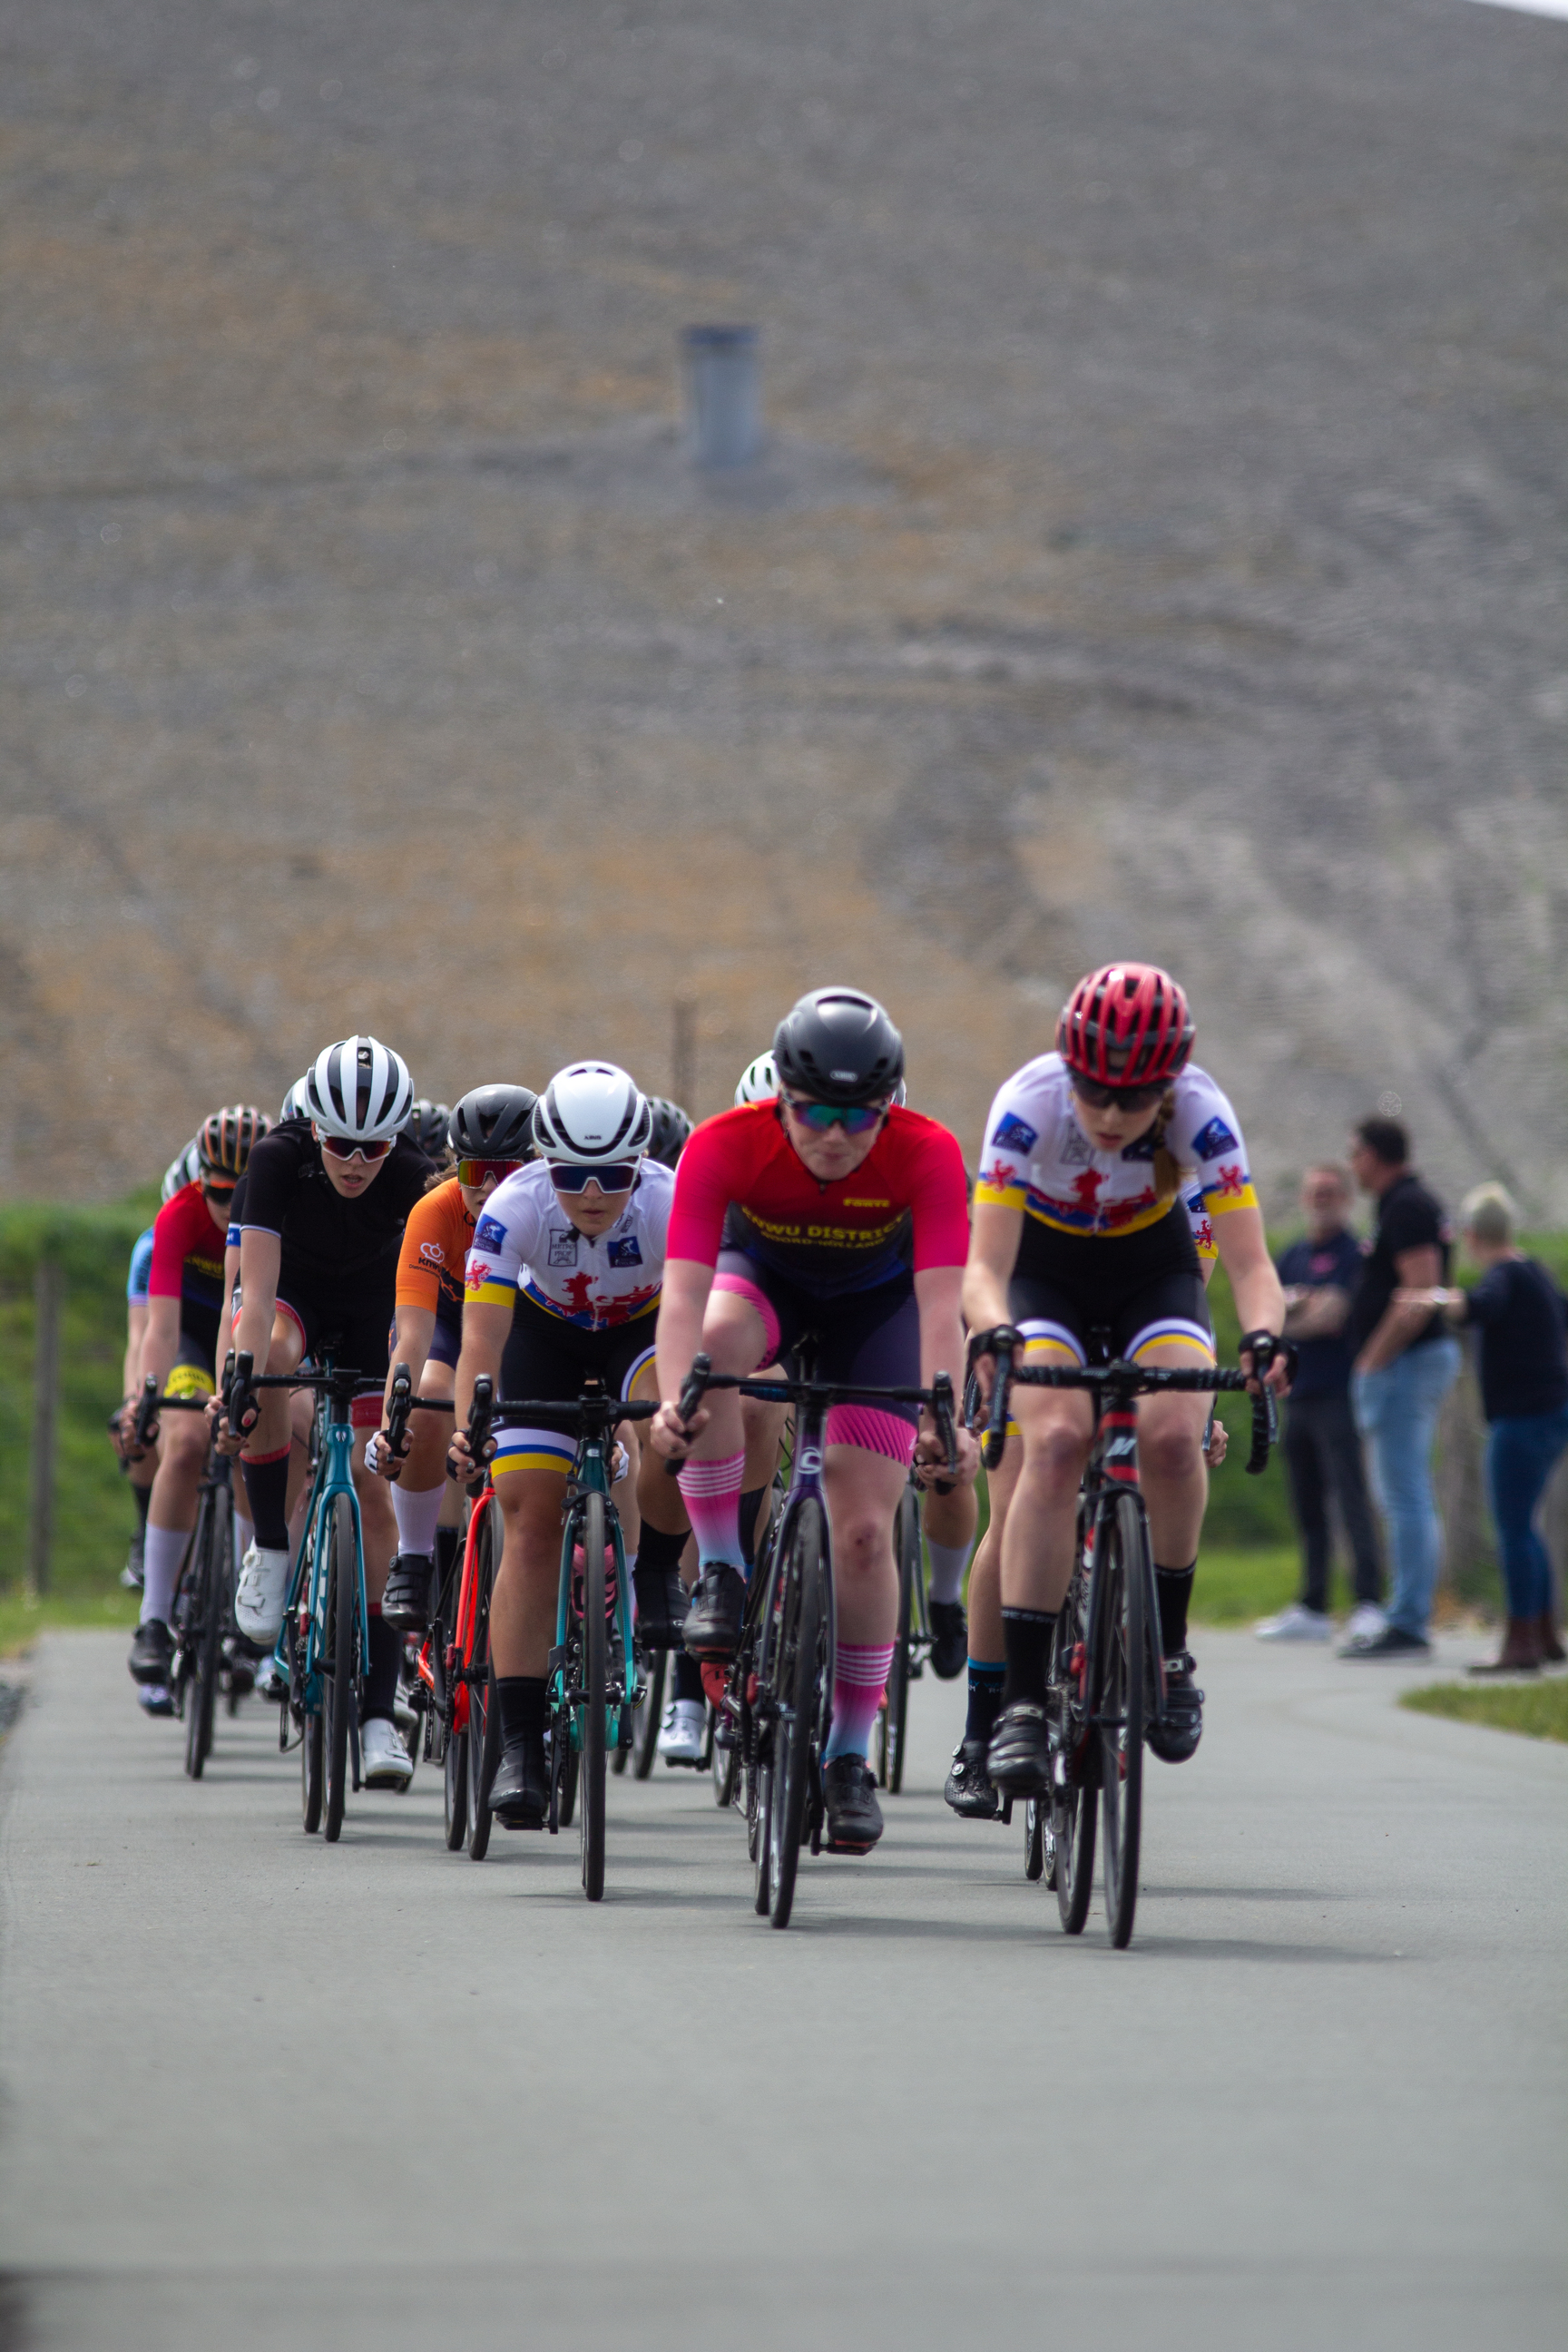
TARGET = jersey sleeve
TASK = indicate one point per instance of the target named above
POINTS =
(504, 1237)
(706, 1180)
(1010, 1139)
(268, 1173)
(423, 1252)
(140, 1268)
(171, 1228)
(1200, 1222)
(939, 1201)
(1207, 1134)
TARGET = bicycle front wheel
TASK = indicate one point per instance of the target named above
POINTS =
(482, 1739)
(204, 1630)
(896, 1705)
(1122, 1707)
(797, 1663)
(341, 1661)
(650, 1715)
(596, 1696)
(1073, 1814)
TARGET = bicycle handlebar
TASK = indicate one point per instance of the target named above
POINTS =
(939, 1398)
(1129, 1380)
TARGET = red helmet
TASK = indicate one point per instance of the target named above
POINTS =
(1126, 1025)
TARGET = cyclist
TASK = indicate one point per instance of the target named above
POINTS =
(826, 1209)
(428, 1125)
(1080, 1224)
(672, 1131)
(179, 1350)
(142, 1470)
(327, 1195)
(563, 1281)
(492, 1131)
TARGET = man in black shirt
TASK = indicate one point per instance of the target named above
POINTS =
(1406, 1361)
(1322, 1445)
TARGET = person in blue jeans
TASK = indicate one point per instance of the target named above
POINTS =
(1406, 1361)
(1521, 1317)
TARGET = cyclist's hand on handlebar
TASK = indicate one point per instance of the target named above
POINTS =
(380, 1458)
(930, 1456)
(1219, 1444)
(671, 1436)
(460, 1462)
(122, 1431)
(1281, 1362)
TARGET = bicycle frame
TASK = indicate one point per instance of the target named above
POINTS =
(333, 1440)
(591, 1476)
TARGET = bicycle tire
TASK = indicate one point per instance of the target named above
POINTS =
(896, 1704)
(1034, 1811)
(648, 1719)
(1122, 1707)
(1074, 1816)
(313, 1729)
(593, 1754)
(798, 1672)
(203, 1637)
(454, 1791)
(482, 1738)
(340, 1691)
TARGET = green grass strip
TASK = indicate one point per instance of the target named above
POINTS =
(1538, 1709)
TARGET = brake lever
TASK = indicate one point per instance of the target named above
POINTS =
(146, 1412)
(942, 1406)
(1265, 1411)
(693, 1389)
(996, 1444)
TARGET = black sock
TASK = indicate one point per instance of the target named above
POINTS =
(1026, 1639)
(267, 1483)
(751, 1503)
(519, 1699)
(1174, 1586)
(144, 1496)
(656, 1549)
(688, 1678)
(984, 1699)
(386, 1658)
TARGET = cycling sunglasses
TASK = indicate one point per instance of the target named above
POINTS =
(1099, 1097)
(338, 1148)
(620, 1177)
(854, 1119)
(218, 1189)
(475, 1172)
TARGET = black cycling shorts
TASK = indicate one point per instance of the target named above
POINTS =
(1129, 1290)
(870, 1337)
(353, 1328)
(547, 1357)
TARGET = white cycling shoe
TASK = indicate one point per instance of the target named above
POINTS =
(681, 1733)
(384, 1762)
(259, 1596)
(1297, 1623)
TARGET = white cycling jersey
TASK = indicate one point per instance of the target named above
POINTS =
(524, 1241)
(1039, 1158)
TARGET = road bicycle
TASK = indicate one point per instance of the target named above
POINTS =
(202, 1617)
(911, 1643)
(780, 1695)
(593, 1685)
(1106, 1686)
(322, 1656)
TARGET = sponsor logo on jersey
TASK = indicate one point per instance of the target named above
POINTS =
(1143, 1147)
(489, 1233)
(1014, 1134)
(433, 1252)
(1077, 1148)
(1215, 1138)
(564, 1248)
(853, 1200)
(625, 1251)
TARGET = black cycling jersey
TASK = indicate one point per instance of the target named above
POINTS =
(327, 1239)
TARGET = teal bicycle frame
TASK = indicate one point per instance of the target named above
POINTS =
(591, 1476)
(333, 1476)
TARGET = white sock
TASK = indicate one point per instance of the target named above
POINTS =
(948, 1562)
(244, 1533)
(165, 1550)
(416, 1516)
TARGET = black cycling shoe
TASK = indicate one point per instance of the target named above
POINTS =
(520, 1793)
(1176, 1734)
(854, 1816)
(1019, 1757)
(661, 1607)
(152, 1653)
(405, 1604)
(969, 1790)
(949, 1639)
(712, 1628)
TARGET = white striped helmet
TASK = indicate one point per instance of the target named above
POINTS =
(759, 1081)
(185, 1169)
(591, 1115)
(359, 1089)
(294, 1101)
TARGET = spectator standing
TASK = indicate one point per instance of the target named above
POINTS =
(1522, 1319)
(1324, 1456)
(1406, 1361)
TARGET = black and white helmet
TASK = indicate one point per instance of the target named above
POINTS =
(838, 1046)
(593, 1116)
(185, 1169)
(359, 1089)
(294, 1100)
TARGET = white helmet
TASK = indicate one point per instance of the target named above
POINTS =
(591, 1115)
(759, 1081)
(294, 1101)
(359, 1089)
(185, 1169)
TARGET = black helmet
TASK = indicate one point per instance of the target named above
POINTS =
(427, 1125)
(838, 1046)
(671, 1127)
(494, 1123)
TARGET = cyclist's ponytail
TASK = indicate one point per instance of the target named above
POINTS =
(1170, 1176)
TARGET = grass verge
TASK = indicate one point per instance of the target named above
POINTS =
(1538, 1710)
(21, 1625)
(1235, 1587)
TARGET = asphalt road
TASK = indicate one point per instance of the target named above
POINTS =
(258, 2091)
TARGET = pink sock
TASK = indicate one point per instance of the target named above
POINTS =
(859, 1678)
(712, 1495)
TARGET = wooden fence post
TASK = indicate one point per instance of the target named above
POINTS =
(49, 1291)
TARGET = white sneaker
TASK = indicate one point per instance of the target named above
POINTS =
(681, 1733)
(270, 1682)
(384, 1762)
(1297, 1623)
(259, 1596)
(1367, 1622)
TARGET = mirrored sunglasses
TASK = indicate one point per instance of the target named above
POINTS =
(620, 1177)
(854, 1118)
(476, 1173)
(1100, 1098)
(338, 1146)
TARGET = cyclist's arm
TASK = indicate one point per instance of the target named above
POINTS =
(995, 1233)
(485, 1327)
(1420, 1268)
(161, 1342)
(261, 1262)
(681, 1307)
(937, 1295)
(1242, 1248)
(411, 1345)
(224, 1336)
(135, 1332)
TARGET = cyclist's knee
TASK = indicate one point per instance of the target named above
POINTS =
(1054, 1456)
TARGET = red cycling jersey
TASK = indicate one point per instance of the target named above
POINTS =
(187, 1262)
(906, 1206)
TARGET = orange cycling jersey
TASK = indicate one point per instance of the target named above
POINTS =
(436, 1245)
